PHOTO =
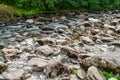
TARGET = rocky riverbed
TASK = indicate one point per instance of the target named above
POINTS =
(72, 46)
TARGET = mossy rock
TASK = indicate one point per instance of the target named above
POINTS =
(3, 67)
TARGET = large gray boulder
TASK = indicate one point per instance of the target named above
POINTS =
(13, 74)
(38, 64)
(109, 61)
(94, 74)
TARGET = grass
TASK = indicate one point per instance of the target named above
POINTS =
(7, 9)
(110, 75)
(12, 10)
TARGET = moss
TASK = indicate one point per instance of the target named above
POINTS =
(73, 71)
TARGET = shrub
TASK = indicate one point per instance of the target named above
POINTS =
(52, 5)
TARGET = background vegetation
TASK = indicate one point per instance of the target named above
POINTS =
(56, 5)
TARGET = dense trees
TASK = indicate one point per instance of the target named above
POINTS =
(51, 5)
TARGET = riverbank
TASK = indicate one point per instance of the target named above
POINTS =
(9, 14)
(69, 46)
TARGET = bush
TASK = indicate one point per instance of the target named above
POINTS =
(52, 5)
(31, 4)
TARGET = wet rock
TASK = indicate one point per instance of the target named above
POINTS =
(69, 51)
(87, 40)
(82, 28)
(112, 48)
(47, 40)
(110, 32)
(95, 31)
(63, 18)
(3, 67)
(15, 27)
(29, 21)
(29, 41)
(98, 41)
(35, 33)
(112, 79)
(56, 70)
(39, 23)
(61, 42)
(115, 22)
(107, 39)
(38, 64)
(83, 56)
(9, 52)
(28, 49)
(18, 37)
(81, 74)
(73, 66)
(61, 26)
(1, 77)
(13, 74)
(94, 74)
(109, 61)
(118, 28)
(6, 35)
(93, 20)
(45, 50)
(115, 43)
(44, 19)
(2, 58)
(73, 77)
(71, 23)
(2, 45)
(109, 26)
(116, 15)
(58, 26)
(46, 28)
(32, 78)
(2, 24)
(87, 24)
(60, 30)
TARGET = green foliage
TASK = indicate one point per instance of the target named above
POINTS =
(50, 4)
(56, 5)
(9, 1)
(31, 4)
(110, 75)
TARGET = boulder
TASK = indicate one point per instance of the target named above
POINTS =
(45, 50)
(56, 69)
(14, 74)
(38, 64)
(94, 74)
(108, 60)
(3, 67)
(47, 40)
(69, 51)
(9, 52)
(73, 77)
(81, 74)
(87, 40)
